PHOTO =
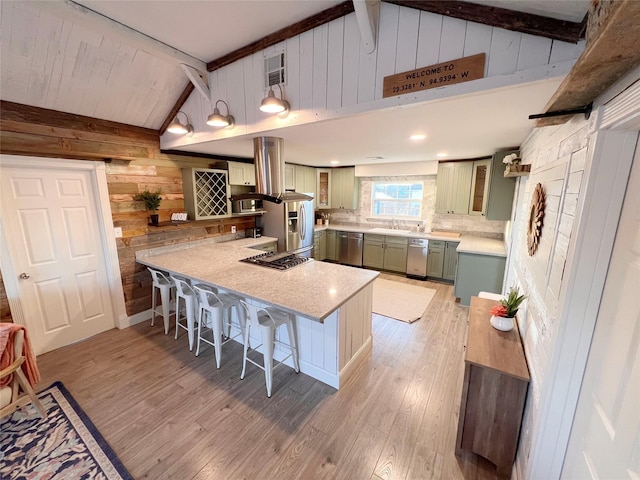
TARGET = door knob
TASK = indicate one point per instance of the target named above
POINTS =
(24, 276)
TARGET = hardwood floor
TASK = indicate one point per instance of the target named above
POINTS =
(171, 415)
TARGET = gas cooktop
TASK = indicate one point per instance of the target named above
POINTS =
(279, 261)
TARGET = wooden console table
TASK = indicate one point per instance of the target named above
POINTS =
(494, 390)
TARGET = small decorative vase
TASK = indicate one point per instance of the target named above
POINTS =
(154, 218)
(504, 324)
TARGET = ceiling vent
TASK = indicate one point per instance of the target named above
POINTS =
(274, 70)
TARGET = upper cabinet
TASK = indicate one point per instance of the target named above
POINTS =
(501, 189)
(323, 188)
(475, 188)
(289, 176)
(206, 193)
(305, 179)
(241, 173)
(453, 187)
(344, 188)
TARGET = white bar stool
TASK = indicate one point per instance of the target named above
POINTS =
(268, 320)
(163, 283)
(214, 312)
(185, 292)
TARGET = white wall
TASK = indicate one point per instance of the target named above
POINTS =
(329, 75)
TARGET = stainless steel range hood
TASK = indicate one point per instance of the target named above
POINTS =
(268, 153)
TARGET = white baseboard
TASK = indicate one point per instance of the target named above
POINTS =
(137, 318)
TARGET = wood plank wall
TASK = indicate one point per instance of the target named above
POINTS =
(134, 164)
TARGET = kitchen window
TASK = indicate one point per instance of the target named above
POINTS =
(396, 199)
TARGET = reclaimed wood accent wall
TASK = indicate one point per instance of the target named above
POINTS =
(134, 163)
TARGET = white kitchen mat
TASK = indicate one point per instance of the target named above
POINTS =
(400, 300)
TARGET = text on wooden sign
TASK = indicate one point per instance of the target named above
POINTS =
(439, 75)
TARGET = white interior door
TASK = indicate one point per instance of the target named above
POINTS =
(51, 226)
(605, 436)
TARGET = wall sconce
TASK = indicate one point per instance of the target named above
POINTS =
(218, 120)
(179, 128)
(273, 104)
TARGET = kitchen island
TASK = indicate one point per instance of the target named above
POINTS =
(332, 303)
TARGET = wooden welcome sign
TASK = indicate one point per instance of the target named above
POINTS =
(439, 75)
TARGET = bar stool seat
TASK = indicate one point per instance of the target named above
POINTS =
(187, 321)
(268, 320)
(214, 312)
(163, 283)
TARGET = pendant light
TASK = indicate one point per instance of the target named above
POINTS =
(179, 128)
(273, 104)
(216, 119)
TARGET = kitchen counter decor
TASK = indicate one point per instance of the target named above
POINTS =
(151, 202)
(502, 315)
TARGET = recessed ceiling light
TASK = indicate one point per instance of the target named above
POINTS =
(442, 155)
(334, 162)
(418, 136)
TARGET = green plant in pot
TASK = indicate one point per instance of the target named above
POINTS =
(505, 311)
(151, 202)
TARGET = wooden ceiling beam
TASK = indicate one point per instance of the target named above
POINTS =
(176, 108)
(500, 17)
(302, 26)
(607, 58)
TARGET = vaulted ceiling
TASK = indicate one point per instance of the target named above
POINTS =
(120, 60)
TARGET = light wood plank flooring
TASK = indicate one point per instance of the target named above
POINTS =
(171, 415)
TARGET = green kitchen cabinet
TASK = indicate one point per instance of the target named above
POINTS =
(477, 273)
(319, 245)
(395, 254)
(501, 190)
(344, 188)
(450, 261)
(435, 258)
(479, 187)
(241, 173)
(373, 251)
(385, 252)
(305, 179)
(289, 176)
(267, 247)
(453, 187)
(331, 251)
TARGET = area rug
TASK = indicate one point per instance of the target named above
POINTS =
(400, 300)
(64, 445)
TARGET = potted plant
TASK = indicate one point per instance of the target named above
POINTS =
(151, 202)
(505, 311)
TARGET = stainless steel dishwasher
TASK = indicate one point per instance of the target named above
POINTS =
(350, 248)
(417, 258)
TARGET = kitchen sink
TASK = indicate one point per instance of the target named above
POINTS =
(389, 231)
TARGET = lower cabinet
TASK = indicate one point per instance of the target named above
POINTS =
(442, 260)
(494, 389)
(319, 245)
(331, 245)
(477, 273)
(385, 252)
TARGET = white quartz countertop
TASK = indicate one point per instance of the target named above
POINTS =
(313, 289)
(467, 243)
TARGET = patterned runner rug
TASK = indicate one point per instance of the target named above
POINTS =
(64, 445)
(400, 300)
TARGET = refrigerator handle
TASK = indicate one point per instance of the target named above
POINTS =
(303, 225)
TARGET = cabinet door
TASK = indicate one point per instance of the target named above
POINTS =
(337, 181)
(395, 255)
(322, 254)
(331, 252)
(444, 187)
(249, 174)
(236, 173)
(501, 189)
(435, 259)
(323, 188)
(289, 176)
(373, 251)
(350, 188)
(450, 261)
(479, 187)
(462, 173)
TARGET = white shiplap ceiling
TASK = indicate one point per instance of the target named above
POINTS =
(87, 58)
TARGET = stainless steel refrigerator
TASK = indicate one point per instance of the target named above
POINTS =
(291, 222)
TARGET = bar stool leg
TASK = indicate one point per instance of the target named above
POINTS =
(201, 314)
(217, 335)
(177, 314)
(293, 342)
(191, 327)
(267, 343)
(165, 294)
(247, 331)
(153, 304)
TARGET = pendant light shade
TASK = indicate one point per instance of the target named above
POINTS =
(216, 119)
(178, 127)
(273, 104)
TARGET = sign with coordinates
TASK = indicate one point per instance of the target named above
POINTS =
(433, 76)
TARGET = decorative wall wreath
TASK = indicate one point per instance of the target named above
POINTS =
(536, 215)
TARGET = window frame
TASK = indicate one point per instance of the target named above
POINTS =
(397, 216)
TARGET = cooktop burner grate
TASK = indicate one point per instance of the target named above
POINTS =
(279, 261)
